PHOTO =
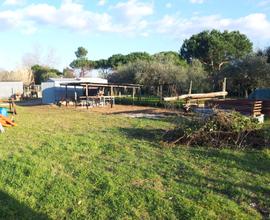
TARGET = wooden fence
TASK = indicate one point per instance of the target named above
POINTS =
(244, 106)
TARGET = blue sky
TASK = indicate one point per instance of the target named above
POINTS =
(48, 32)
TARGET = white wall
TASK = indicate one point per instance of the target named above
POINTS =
(48, 94)
(7, 89)
(52, 92)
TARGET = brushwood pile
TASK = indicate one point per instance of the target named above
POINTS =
(219, 130)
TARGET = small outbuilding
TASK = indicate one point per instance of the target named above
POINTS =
(8, 89)
(85, 92)
(53, 92)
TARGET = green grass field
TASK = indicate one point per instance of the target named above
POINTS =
(66, 164)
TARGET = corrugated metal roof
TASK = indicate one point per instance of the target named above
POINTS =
(81, 80)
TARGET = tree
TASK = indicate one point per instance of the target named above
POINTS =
(265, 52)
(116, 60)
(166, 78)
(43, 73)
(215, 48)
(81, 53)
(247, 74)
(103, 67)
(135, 56)
(68, 73)
(198, 76)
(170, 56)
(82, 61)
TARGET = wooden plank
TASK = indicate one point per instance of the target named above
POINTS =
(7, 120)
(197, 96)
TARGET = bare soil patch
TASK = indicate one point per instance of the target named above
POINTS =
(131, 109)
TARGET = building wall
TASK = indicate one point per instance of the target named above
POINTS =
(52, 92)
(48, 94)
(7, 89)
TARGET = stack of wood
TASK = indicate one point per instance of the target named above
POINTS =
(198, 96)
(6, 122)
(244, 106)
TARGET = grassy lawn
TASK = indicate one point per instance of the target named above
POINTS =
(67, 164)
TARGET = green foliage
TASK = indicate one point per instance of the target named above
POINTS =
(198, 76)
(264, 53)
(232, 121)
(170, 57)
(102, 64)
(136, 56)
(151, 101)
(117, 60)
(126, 73)
(81, 53)
(82, 61)
(43, 73)
(215, 48)
(165, 71)
(68, 73)
(123, 67)
(221, 129)
(247, 74)
(74, 164)
(157, 73)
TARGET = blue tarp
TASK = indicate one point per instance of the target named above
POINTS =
(260, 94)
(3, 111)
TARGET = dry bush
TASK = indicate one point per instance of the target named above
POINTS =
(24, 75)
(222, 129)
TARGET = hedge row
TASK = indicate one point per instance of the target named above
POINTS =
(151, 102)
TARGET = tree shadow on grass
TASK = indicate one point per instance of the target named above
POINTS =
(256, 162)
(236, 190)
(10, 208)
(153, 111)
(150, 135)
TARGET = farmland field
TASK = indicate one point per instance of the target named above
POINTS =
(63, 163)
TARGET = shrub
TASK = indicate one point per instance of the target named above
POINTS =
(221, 129)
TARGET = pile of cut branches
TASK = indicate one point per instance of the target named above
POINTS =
(221, 129)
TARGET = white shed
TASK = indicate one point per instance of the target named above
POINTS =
(7, 89)
(52, 92)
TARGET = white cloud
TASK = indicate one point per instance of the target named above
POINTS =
(197, 1)
(133, 10)
(13, 2)
(69, 15)
(132, 17)
(256, 26)
(125, 17)
(101, 2)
